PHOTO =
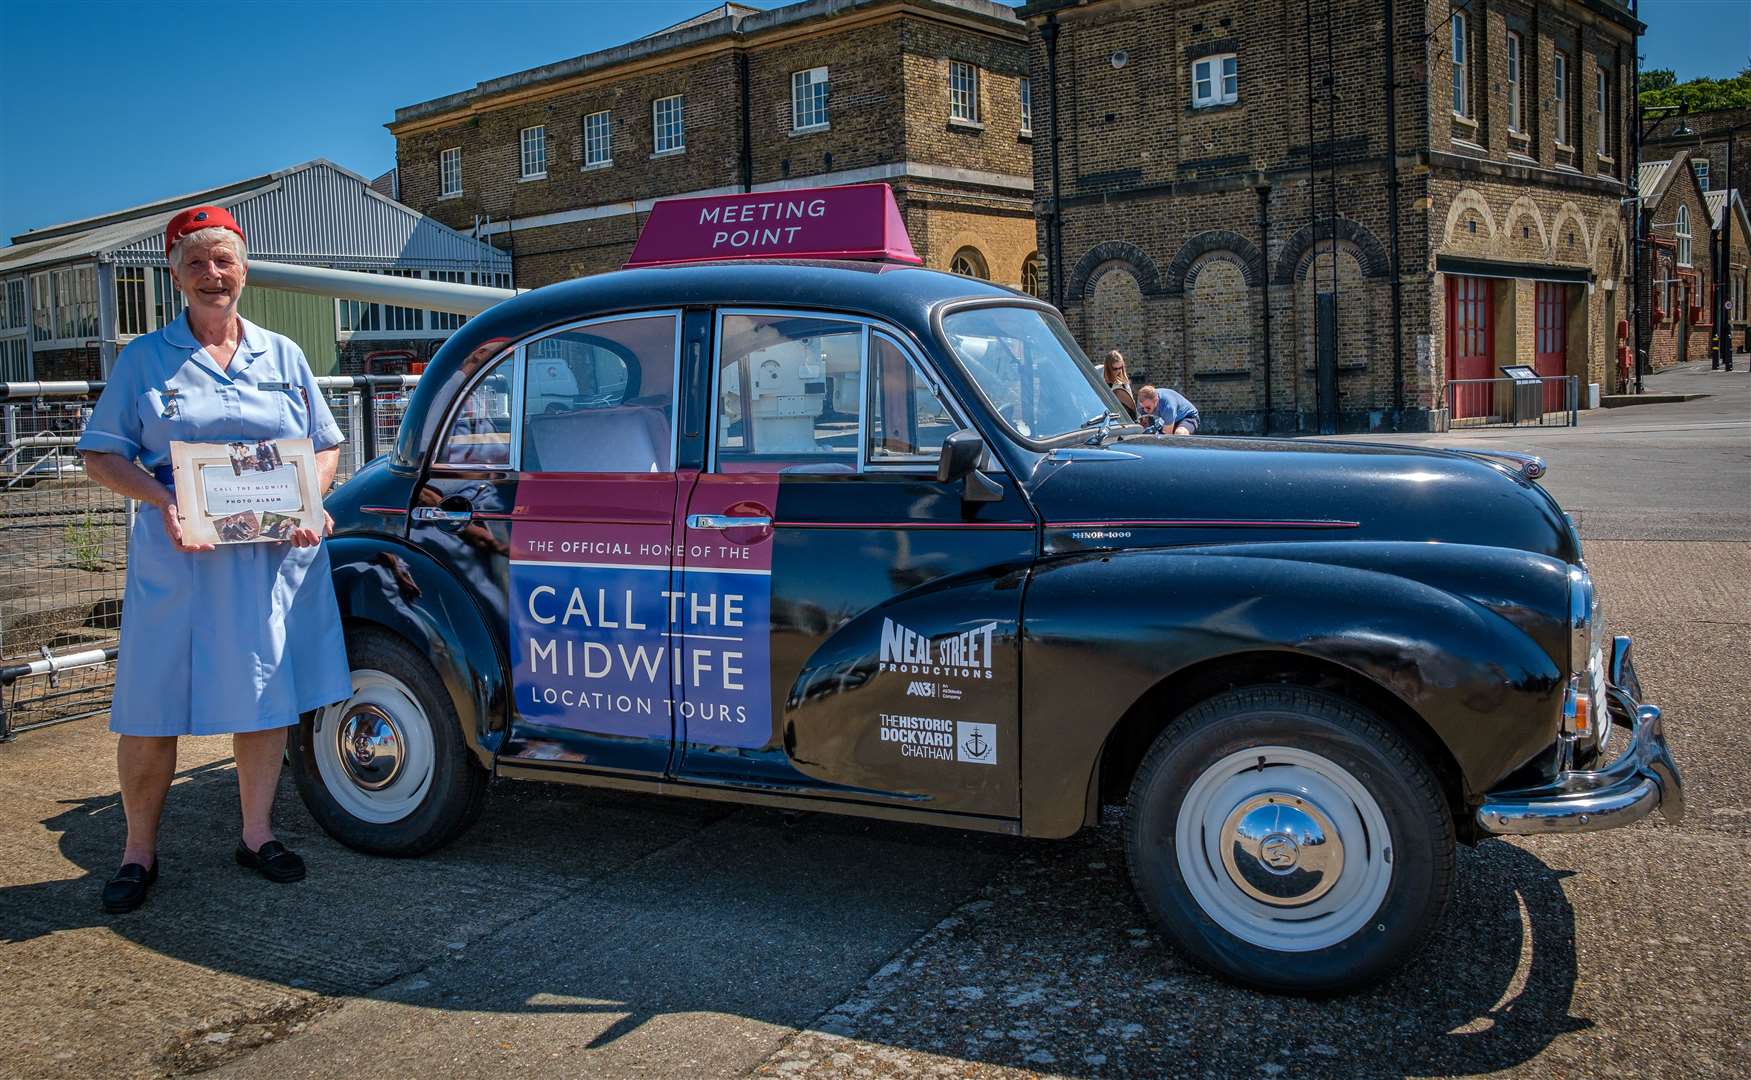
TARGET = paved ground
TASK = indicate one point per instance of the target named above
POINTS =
(574, 933)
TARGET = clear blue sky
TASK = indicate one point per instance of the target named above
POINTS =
(106, 105)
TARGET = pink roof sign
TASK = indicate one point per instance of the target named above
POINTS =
(858, 221)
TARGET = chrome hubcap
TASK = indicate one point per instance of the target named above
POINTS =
(1282, 850)
(370, 747)
(374, 751)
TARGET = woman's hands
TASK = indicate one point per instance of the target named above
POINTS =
(173, 527)
(309, 537)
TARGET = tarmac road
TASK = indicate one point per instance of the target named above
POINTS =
(577, 933)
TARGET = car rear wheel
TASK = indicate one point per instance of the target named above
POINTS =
(387, 771)
(1288, 840)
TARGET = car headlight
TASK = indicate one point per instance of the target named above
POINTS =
(1584, 711)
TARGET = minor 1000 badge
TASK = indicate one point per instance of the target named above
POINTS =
(249, 492)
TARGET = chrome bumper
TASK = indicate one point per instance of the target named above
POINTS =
(1642, 778)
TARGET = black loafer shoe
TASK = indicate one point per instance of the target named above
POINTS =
(273, 861)
(127, 890)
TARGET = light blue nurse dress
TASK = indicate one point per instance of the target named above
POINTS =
(248, 636)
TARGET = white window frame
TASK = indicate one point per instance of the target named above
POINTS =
(42, 301)
(1681, 230)
(133, 283)
(1027, 105)
(164, 294)
(1215, 80)
(599, 140)
(15, 358)
(375, 319)
(532, 153)
(450, 172)
(1700, 168)
(963, 92)
(1461, 55)
(14, 321)
(1602, 108)
(669, 125)
(69, 300)
(809, 92)
(1560, 73)
(1516, 73)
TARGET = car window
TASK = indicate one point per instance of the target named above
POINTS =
(1030, 370)
(788, 392)
(907, 420)
(480, 432)
(601, 398)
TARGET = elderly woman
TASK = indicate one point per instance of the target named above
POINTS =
(237, 639)
(1119, 382)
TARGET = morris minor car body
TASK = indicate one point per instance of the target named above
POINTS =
(865, 538)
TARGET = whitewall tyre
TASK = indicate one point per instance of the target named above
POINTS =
(1288, 840)
(387, 771)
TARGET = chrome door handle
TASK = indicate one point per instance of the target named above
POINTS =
(446, 517)
(727, 521)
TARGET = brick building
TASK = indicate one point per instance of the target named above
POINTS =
(1706, 140)
(1677, 286)
(559, 165)
(1216, 181)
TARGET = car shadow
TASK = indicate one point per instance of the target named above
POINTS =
(697, 907)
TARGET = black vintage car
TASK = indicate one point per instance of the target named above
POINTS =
(870, 539)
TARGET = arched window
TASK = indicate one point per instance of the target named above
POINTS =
(969, 262)
(1683, 233)
(1030, 275)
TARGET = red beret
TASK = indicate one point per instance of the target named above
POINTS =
(196, 218)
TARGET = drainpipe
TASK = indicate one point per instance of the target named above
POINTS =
(1054, 224)
(1635, 203)
(747, 138)
(1264, 190)
(1392, 225)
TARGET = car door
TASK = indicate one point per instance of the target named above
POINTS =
(580, 545)
(850, 623)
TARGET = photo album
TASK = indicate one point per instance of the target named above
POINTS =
(246, 492)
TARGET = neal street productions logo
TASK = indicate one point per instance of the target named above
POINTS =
(966, 655)
(941, 740)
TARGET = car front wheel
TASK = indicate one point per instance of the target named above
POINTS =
(387, 771)
(1288, 840)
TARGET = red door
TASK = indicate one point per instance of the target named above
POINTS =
(1470, 352)
(1550, 352)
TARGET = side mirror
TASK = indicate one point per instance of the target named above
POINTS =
(961, 454)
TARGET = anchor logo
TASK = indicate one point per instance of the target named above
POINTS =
(975, 743)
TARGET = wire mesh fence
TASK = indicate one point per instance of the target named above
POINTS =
(64, 540)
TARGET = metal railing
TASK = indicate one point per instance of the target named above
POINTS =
(1549, 400)
(64, 540)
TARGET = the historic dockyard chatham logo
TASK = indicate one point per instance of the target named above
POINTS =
(966, 655)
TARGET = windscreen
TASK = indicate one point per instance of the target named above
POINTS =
(1029, 370)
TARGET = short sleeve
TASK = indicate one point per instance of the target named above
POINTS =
(1186, 412)
(325, 434)
(114, 426)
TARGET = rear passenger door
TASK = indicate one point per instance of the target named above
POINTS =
(849, 624)
(591, 543)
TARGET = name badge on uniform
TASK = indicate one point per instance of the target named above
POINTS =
(169, 394)
(276, 387)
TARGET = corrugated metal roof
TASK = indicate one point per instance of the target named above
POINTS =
(1717, 205)
(316, 214)
(1647, 178)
